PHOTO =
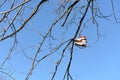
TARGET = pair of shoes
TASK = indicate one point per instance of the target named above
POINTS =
(81, 41)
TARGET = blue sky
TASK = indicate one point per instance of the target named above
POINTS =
(99, 61)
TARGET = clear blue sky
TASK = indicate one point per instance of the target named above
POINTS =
(99, 61)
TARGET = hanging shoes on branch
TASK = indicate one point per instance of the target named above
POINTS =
(81, 41)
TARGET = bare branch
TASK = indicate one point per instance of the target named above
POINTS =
(10, 76)
(24, 2)
(25, 22)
